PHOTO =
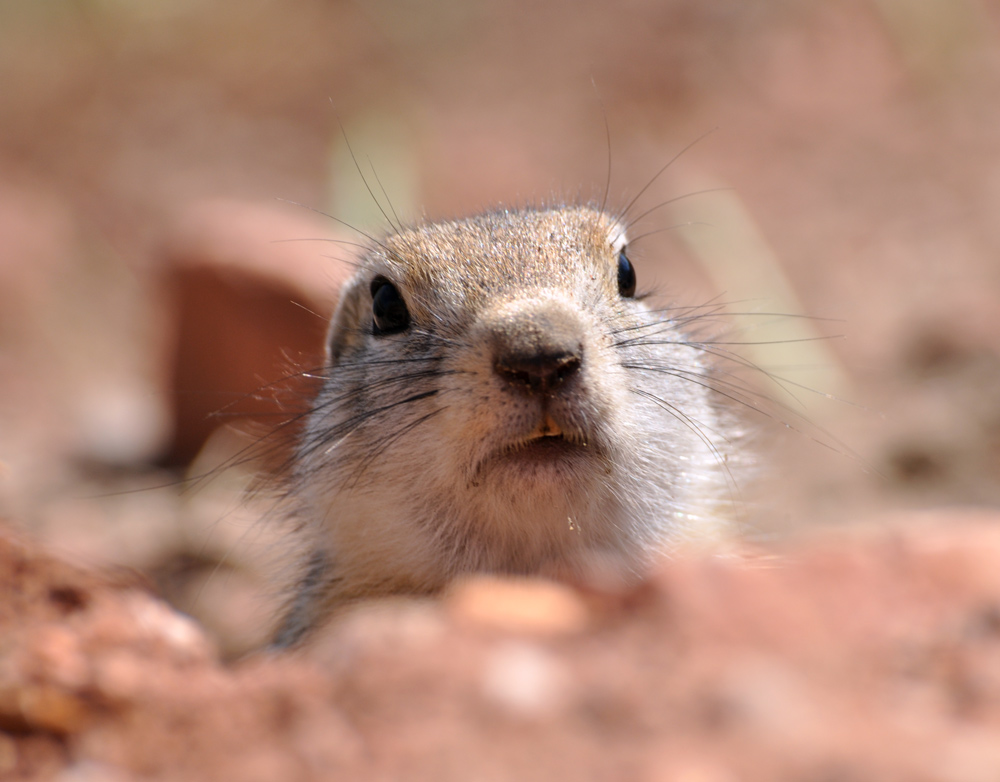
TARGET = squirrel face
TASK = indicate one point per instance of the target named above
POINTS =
(498, 399)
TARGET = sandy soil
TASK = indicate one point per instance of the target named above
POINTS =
(855, 657)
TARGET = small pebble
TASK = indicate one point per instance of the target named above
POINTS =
(531, 606)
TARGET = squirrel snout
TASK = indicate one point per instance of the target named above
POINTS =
(537, 372)
(537, 347)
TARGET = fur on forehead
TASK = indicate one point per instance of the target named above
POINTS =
(502, 248)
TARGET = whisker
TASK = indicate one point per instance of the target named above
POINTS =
(329, 239)
(623, 214)
(674, 227)
(389, 252)
(399, 223)
(352, 423)
(357, 165)
(699, 429)
(385, 443)
(674, 200)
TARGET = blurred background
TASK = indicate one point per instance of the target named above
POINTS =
(154, 156)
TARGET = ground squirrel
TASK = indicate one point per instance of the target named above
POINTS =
(498, 398)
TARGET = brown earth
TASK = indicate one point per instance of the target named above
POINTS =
(156, 287)
(860, 656)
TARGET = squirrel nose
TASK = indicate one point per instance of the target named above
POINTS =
(539, 349)
(538, 372)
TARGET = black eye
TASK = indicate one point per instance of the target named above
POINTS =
(389, 312)
(626, 276)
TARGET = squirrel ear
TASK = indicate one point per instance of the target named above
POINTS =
(344, 326)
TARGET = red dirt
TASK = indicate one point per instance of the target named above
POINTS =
(870, 655)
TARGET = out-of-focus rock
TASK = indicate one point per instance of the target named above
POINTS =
(531, 606)
(870, 653)
(254, 287)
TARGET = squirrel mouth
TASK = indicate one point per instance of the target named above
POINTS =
(549, 445)
(548, 436)
(546, 446)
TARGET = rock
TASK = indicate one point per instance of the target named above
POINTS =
(254, 285)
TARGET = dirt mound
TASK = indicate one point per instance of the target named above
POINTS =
(865, 655)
